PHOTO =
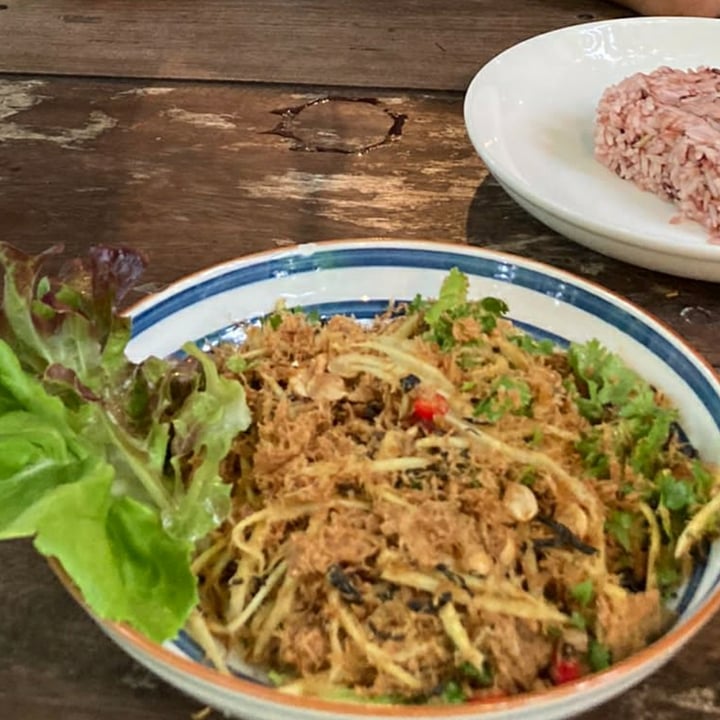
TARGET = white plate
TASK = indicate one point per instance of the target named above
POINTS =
(530, 115)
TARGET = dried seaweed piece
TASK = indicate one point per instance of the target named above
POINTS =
(563, 538)
(453, 577)
(342, 583)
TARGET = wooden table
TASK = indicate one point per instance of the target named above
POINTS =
(160, 126)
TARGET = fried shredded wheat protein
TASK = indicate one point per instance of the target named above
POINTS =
(437, 507)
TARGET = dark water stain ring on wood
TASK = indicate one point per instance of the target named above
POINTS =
(339, 124)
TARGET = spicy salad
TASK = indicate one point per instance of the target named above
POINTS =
(431, 507)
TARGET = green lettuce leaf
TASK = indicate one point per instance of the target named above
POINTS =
(119, 556)
(112, 467)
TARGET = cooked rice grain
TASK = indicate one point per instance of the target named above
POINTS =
(662, 131)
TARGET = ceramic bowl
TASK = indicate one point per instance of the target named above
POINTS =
(360, 278)
(530, 115)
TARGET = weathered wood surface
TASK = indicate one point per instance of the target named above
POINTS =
(191, 174)
(402, 44)
(188, 173)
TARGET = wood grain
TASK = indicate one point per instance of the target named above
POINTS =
(400, 44)
(189, 173)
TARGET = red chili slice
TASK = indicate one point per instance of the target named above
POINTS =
(565, 670)
(427, 407)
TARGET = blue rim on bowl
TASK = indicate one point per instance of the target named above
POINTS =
(305, 266)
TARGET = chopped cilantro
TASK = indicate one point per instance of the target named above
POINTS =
(603, 381)
(417, 304)
(583, 592)
(702, 481)
(479, 677)
(591, 450)
(532, 346)
(452, 693)
(274, 320)
(650, 435)
(466, 361)
(598, 656)
(489, 410)
(619, 525)
(528, 476)
(578, 620)
(442, 334)
(236, 364)
(453, 293)
(452, 304)
(493, 305)
(493, 309)
(537, 437)
(508, 395)
(278, 678)
(674, 494)
(667, 573)
(313, 317)
(607, 391)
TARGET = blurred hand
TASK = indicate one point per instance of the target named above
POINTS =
(700, 8)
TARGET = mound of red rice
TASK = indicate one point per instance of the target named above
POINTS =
(662, 131)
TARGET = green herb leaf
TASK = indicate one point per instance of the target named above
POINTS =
(528, 476)
(532, 346)
(451, 305)
(666, 570)
(479, 677)
(599, 657)
(702, 481)
(592, 451)
(278, 678)
(604, 381)
(674, 494)
(583, 592)
(648, 440)
(537, 437)
(274, 320)
(453, 293)
(619, 525)
(236, 364)
(453, 693)
(88, 463)
(507, 395)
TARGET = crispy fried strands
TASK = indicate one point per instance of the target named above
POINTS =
(414, 513)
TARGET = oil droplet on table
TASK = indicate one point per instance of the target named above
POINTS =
(339, 124)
